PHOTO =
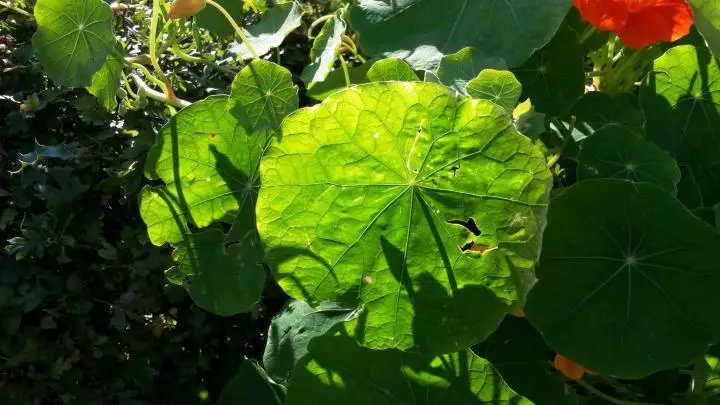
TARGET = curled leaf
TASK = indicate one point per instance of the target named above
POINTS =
(186, 8)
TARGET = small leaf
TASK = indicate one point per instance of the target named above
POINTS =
(73, 39)
(324, 51)
(251, 386)
(376, 197)
(270, 32)
(335, 81)
(387, 70)
(502, 88)
(337, 371)
(106, 81)
(615, 152)
(459, 68)
(262, 95)
(292, 330)
(627, 279)
(554, 78)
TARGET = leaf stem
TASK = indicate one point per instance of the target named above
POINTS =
(16, 9)
(607, 397)
(252, 5)
(589, 31)
(316, 23)
(158, 96)
(345, 71)
(238, 30)
(167, 88)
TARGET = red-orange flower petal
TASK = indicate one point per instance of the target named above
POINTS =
(639, 23)
(569, 368)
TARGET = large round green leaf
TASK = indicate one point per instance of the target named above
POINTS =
(628, 279)
(421, 206)
(209, 166)
(618, 153)
(597, 110)
(73, 39)
(681, 101)
(338, 371)
(523, 359)
(422, 31)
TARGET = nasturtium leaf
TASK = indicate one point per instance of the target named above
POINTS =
(416, 204)
(707, 21)
(221, 280)
(681, 101)
(338, 371)
(251, 386)
(596, 110)
(528, 121)
(208, 163)
(214, 21)
(324, 51)
(422, 31)
(457, 69)
(393, 69)
(521, 356)
(335, 81)
(615, 152)
(270, 32)
(292, 330)
(500, 87)
(554, 78)
(262, 95)
(73, 39)
(628, 279)
(106, 81)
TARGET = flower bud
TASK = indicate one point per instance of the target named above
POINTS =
(186, 8)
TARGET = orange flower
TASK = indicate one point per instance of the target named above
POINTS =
(639, 23)
(186, 8)
(568, 367)
(520, 313)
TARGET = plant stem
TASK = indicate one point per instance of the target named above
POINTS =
(252, 5)
(589, 31)
(153, 49)
(316, 23)
(607, 397)
(193, 59)
(158, 96)
(150, 77)
(345, 71)
(238, 30)
(16, 9)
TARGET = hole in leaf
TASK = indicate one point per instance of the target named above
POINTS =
(470, 225)
(455, 169)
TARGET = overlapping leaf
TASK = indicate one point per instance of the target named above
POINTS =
(324, 51)
(414, 203)
(502, 88)
(251, 386)
(707, 20)
(457, 69)
(106, 81)
(615, 152)
(73, 39)
(681, 101)
(628, 279)
(292, 330)
(392, 70)
(337, 370)
(214, 21)
(422, 31)
(262, 95)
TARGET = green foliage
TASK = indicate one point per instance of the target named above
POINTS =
(626, 299)
(408, 179)
(73, 39)
(404, 218)
(337, 370)
(389, 28)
